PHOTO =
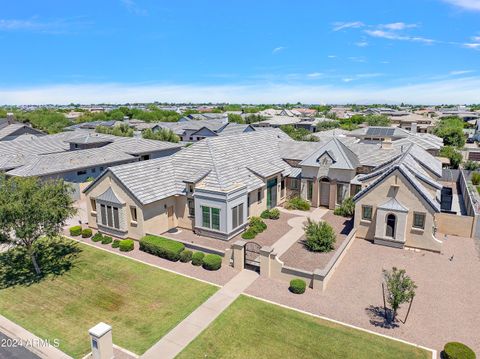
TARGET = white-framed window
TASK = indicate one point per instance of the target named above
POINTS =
(418, 220)
(110, 216)
(237, 216)
(211, 217)
(93, 204)
(367, 213)
(133, 213)
(341, 192)
(294, 183)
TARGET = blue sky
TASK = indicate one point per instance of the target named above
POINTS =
(422, 51)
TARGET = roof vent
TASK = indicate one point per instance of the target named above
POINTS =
(387, 143)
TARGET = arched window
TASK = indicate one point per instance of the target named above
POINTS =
(390, 231)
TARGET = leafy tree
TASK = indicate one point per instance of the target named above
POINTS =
(451, 153)
(46, 120)
(298, 134)
(400, 288)
(30, 209)
(121, 130)
(471, 165)
(320, 236)
(327, 125)
(346, 209)
(233, 117)
(451, 130)
(378, 120)
(254, 118)
(163, 134)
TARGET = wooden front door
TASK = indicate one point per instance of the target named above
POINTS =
(171, 222)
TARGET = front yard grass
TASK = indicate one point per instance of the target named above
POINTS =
(142, 303)
(251, 328)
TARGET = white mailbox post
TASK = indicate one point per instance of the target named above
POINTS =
(101, 341)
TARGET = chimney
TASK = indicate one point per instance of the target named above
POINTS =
(387, 144)
(414, 127)
(10, 118)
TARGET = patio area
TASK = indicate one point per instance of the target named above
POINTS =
(298, 256)
(445, 308)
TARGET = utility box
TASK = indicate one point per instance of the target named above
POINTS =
(101, 341)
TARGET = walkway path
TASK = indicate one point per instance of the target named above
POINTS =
(292, 236)
(185, 332)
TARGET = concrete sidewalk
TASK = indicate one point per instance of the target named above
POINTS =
(293, 235)
(185, 332)
(30, 341)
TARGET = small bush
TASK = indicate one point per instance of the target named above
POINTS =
(297, 203)
(476, 178)
(212, 262)
(116, 243)
(455, 350)
(97, 237)
(248, 234)
(162, 247)
(87, 233)
(320, 236)
(270, 214)
(197, 258)
(257, 225)
(126, 245)
(297, 286)
(186, 256)
(107, 240)
(265, 214)
(75, 231)
(346, 209)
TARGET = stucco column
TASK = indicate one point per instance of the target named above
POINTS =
(239, 254)
(316, 192)
(265, 261)
(101, 341)
(333, 194)
(318, 277)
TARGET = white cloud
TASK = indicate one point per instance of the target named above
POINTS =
(390, 35)
(361, 44)
(465, 4)
(471, 45)
(395, 26)
(332, 56)
(133, 7)
(460, 72)
(278, 49)
(337, 26)
(314, 75)
(455, 90)
(55, 26)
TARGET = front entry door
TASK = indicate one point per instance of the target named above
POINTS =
(272, 193)
(324, 194)
(171, 223)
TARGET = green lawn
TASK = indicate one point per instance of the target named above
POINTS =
(250, 328)
(141, 303)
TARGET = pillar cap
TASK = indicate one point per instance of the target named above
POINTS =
(100, 330)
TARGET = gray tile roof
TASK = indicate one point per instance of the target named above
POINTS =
(393, 205)
(110, 197)
(343, 157)
(10, 129)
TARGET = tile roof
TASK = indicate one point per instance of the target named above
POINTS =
(110, 196)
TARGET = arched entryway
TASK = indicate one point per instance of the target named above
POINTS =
(390, 228)
(324, 192)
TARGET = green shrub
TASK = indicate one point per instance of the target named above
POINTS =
(297, 286)
(476, 178)
(265, 214)
(257, 225)
(107, 240)
(97, 237)
(186, 256)
(87, 233)
(90, 179)
(297, 203)
(197, 258)
(162, 247)
(126, 245)
(320, 236)
(274, 213)
(248, 234)
(116, 243)
(455, 350)
(346, 209)
(212, 262)
(75, 231)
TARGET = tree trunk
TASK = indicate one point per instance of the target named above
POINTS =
(35, 264)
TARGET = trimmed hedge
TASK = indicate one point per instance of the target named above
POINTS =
(197, 258)
(456, 350)
(116, 243)
(107, 240)
(87, 233)
(126, 245)
(162, 247)
(271, 214)
(75, 231)
(297, 203)
(248, 234)
(257, 225)
(186, 256)
(297, 286)
(97, 237)
(212, 262)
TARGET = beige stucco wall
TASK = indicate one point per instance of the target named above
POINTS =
(407, 196)
(452, 224)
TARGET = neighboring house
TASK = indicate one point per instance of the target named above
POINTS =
(76, 156)
(277, 121)
(414, 123)
(212, 186)
(11, 130)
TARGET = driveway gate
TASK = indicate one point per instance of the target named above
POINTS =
(252, 256)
